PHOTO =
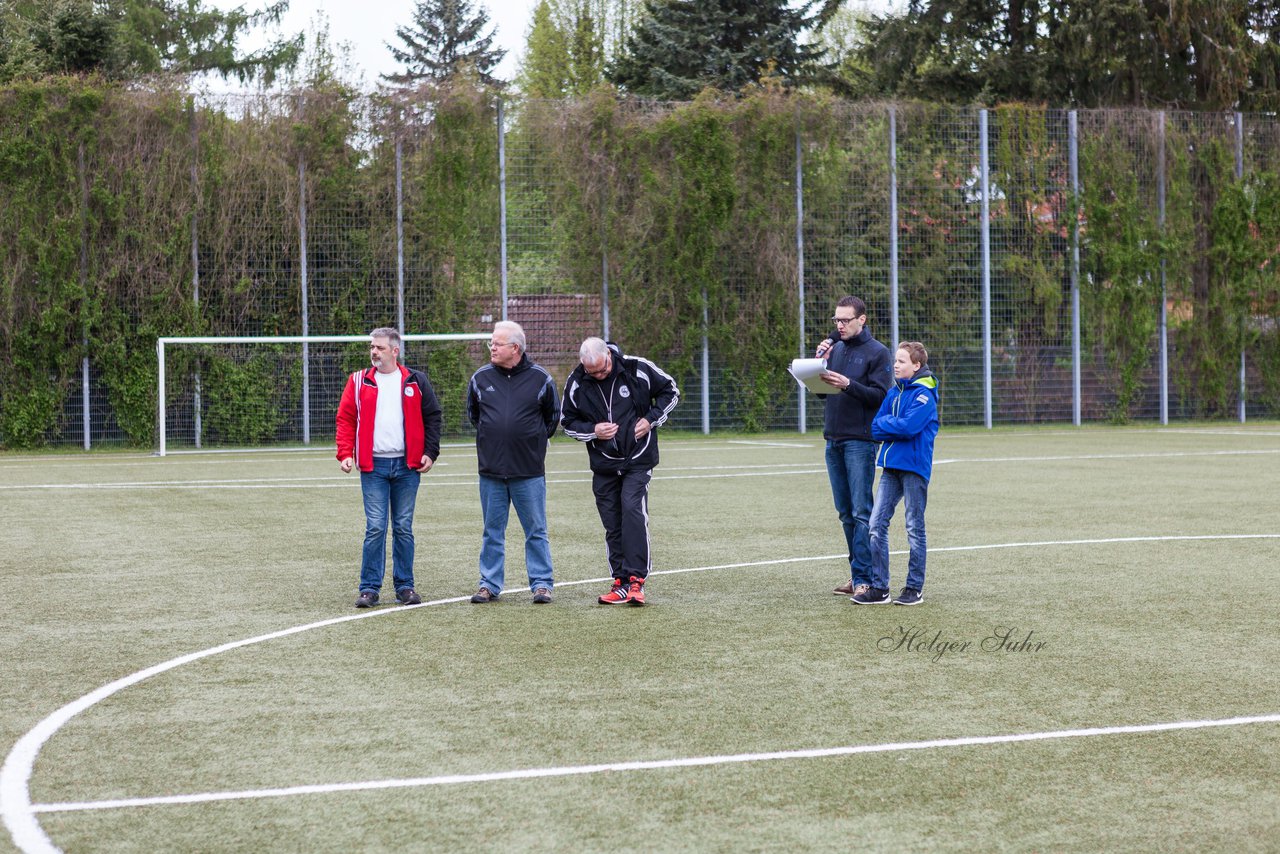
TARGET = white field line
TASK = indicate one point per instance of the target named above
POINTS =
(1205, 432)
(310, 453)
(781, 469)
(19, 813)
(672, 444)
(761, 444)
(650, 765)
(1068, 457)
(300, 449)
(329, 481)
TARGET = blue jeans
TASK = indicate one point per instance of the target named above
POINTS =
(851, 466)
(391, 484)
(529, 496)
(895, 485)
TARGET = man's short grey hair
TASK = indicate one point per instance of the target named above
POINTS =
(593, 350)
(515, 332)
(390, 333)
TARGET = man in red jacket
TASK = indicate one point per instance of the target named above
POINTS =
(388, 426)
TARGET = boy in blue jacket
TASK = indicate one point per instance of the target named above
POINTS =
(906, 426)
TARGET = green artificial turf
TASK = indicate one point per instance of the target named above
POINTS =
(1042, 613)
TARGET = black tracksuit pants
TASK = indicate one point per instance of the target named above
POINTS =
(622, 499)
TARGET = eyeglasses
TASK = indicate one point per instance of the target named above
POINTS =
(843, 321)
(493, 345)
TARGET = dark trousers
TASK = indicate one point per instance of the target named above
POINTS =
(623, 502)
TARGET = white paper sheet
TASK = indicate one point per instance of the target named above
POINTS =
(808, 372)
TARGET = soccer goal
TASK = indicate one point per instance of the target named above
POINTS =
(251, 391)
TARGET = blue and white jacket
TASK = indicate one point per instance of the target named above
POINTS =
(907, 424)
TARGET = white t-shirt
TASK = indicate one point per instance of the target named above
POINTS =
(388, 420)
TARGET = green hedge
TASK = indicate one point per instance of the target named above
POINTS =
(692, 205)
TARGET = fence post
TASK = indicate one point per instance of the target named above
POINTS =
(195, 256)
(502, 207)
(1240, 177)
(800, 393)
(986, 268)
(604, 291)
(1164, 280)
(302, 266)
(706, 368)
(399, 233)
(893, 228)
(84, 289)
(1073, 145)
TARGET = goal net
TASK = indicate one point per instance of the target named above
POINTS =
(246, 392)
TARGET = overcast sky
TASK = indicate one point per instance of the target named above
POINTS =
(367, 25)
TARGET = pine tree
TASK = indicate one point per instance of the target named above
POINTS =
(125, 39)
(544, 69)
(565, 51)
(586, 52)
(680, 47)
(1202, 54)
(444, 39)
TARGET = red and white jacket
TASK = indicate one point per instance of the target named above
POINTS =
(423, 417)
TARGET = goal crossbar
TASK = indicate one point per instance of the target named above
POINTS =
(304, 340)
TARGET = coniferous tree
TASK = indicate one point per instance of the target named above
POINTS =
(1203, 54)
(445, 37)
(544, 69)
(565, 51)
(123, 39)
(586, 52)
(680, 47)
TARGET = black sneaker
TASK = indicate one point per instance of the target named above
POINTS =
(541, 596)
(367, 599)
(484, 594)
(872, 596)
(408, 596)
(909, 596)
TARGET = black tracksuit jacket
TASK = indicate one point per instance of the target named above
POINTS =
(514, 411)
(636, 388)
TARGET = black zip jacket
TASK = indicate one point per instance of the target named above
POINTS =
(636, 388)
(514, 411)
(869, 367)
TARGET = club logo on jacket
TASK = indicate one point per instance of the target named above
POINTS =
(624, 391)
(408, 391)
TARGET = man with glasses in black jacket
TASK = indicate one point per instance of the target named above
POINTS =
(860, 373)
(512, 404)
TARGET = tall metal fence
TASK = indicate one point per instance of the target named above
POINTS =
(962, 228)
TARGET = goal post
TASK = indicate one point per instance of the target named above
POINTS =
(251, 391)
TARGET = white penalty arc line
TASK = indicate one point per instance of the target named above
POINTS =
(650, 765)
(19, 813)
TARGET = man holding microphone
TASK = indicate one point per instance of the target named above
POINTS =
(860, 373)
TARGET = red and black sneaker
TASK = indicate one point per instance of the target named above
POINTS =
(636, 591)
(617, 594)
